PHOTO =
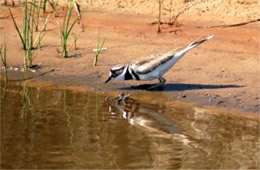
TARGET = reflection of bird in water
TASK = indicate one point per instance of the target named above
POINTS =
(124, 105)
(157, 124)
(148, 116)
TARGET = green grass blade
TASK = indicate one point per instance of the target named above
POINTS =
(5, 56)
(16, 27)
(98, 39)
(45, 23)
(100, 48)
(2, 56)
(44, 5)
(68, 16)
(73, 24)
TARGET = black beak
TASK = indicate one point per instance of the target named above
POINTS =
(109, 78)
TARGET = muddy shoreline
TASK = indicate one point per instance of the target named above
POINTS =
(223, 72)
(192, 95)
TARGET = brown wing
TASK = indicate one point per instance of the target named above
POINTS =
(146, 65)
(149, 64)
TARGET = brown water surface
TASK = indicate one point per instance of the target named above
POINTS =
(59, 128)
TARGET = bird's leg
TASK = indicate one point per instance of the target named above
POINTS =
(162, 81)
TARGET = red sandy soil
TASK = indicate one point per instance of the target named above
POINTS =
(223, 72)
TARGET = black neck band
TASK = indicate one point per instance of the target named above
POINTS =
(128, 76)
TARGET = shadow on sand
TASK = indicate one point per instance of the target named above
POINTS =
(181, 87)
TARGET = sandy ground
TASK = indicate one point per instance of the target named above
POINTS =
(223, 72)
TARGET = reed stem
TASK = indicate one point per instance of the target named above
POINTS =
(99, 48)
(159, 16)
(4, 60)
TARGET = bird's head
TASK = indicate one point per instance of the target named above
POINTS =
(117, 73)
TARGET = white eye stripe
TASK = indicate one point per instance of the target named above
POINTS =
(116, 68)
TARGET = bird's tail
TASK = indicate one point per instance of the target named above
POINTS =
(199, 41)
(193, 44)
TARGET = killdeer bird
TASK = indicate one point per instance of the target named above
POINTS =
(154, 67)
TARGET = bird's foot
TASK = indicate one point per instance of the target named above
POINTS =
(160, 84)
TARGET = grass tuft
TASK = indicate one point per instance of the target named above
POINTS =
(66, 28)
(27, 37)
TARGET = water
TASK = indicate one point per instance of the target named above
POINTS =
(58, 128)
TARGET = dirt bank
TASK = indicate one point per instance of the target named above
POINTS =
(223, 72)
